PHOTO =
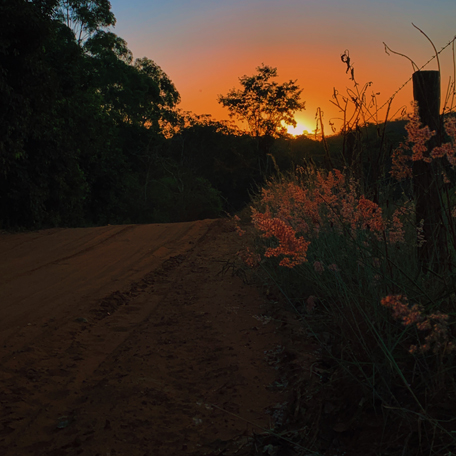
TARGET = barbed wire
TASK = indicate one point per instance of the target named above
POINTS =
(391, 98)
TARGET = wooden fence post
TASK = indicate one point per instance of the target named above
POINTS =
(426, 178)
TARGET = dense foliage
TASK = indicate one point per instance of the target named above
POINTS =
(81, 122)
(90, 135)
(264, 104)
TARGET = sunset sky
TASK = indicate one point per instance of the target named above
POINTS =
(206, 45)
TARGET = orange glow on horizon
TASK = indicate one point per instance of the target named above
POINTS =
(205, 47)
(300, 129)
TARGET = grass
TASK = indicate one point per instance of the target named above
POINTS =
(382, 313)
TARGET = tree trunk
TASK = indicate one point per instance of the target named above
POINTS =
(265, 144)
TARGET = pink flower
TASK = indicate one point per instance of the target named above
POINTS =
(292, 247)
(417, 138)
(436, 324)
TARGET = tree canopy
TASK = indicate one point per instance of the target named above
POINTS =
(90, 135)
(78, 117)
(84, 17)
(264, 104)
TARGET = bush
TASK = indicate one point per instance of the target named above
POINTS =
(352, 268)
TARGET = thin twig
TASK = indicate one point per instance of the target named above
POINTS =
(387, 48)
(432, 44)
(409, 79)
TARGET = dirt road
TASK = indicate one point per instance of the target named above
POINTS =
(127, 340)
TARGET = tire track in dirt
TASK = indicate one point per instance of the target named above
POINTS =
(59, 288)
(172, 363)
(94, 243)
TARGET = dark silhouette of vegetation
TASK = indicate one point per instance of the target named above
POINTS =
(90, 135)
(84, 17)
(81, 122)
(266, 106)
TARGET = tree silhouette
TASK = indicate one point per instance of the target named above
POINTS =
(84, 17)
(78, 119)
(264, 104)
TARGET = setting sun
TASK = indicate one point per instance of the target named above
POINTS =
(300, 129)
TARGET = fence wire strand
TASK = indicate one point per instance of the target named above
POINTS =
(391, 98)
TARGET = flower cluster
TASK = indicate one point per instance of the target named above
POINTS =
(401, 168)
(396, 232)
(417, 138)
(448, 149)
(370, 215)
(436, 324)
(295, 213)
(418, 135)
(293, 248)
(236, 221)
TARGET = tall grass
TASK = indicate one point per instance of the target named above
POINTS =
(351, 267)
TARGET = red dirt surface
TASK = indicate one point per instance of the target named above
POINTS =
(129, 340)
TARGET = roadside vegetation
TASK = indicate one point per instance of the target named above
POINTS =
(373, 283)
